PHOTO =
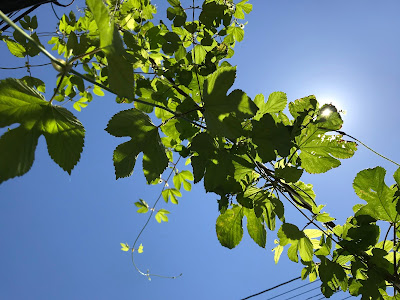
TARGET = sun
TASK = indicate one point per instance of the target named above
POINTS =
(326, 112)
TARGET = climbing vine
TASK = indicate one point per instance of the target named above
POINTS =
(251, 153)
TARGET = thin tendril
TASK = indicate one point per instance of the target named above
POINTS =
(145, 225)
(22, 67)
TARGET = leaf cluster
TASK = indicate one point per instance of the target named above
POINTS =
(252, 153)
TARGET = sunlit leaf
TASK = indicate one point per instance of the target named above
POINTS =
(241, 8)
(276, 103)
(143, 206)
(64, 133)
(321, 152)
(256, 228)
(171, 194)
(370, 186)
(290, 234)
(145, 138)
(183, 178)
(224, 113)
(124, 247)
(120, 71)
(161, 215)
(229, 227)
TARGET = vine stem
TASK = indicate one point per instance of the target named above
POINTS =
(386, 236)
(394, 256)
(145, 225)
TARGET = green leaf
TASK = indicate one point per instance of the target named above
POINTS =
(172, 43)
(98, 91)
(324, 218)
(236, 32)
(332, 276)
(203, 144)
(183, 178)
(171, 194)
(199, 54)
(244, 169)
(269, 137)
(81, 103)
(325, 246)
(289, 174)
(19, 146)
(220, 175)
(306, 249)
(212, 14)
(290, 234)
(229, 227)
(276, 103)
(329, 118)
(306, 192)
(370, 186)
(242, 6)
(255, 227)
(64, 136)
(124, 247)
(277, 253)
(64, 133)
(176, 13)
(161, 215)
(15, 48)
(145, 138)
(34, 83)
(303, 105)
(320, 152)
(143, 206)
(120, 70)
(223, 113)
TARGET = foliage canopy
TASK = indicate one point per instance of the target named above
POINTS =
(249, 152)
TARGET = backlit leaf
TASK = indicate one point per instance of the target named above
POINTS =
(64, 134)
(229, 227)
(290, 234)
(183, 178)
(269, 137)
(276, 103)
(321, 152)
(256, 227)
(124, 247)
(171, 194)
(242, 7)
(224, 113)
(161, 215)
(143, 206)
(145, 138)
(370, 186)
(120, 71)
(15, 48)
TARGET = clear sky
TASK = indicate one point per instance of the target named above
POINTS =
(60, 234)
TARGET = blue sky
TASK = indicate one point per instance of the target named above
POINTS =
(61, 233)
